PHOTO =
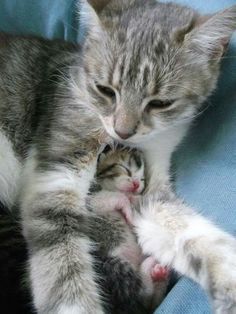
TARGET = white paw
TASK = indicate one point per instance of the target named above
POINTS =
(77, 309)
(222, 279)
(123, 205)
(224, 307)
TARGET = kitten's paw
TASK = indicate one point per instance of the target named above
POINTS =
(156, 271)
(123, 205)
(159, 273)
(155, 286)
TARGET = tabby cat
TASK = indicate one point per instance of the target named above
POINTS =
(140, 77)
(128, 282)
(131, 282)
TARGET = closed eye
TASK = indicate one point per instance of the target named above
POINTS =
(106, 91)
(159, 104)
(125, 169)
(114, 170)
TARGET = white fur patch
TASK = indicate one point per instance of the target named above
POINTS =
(10, 169)
(158, 151)
(47, 265)
(60, 178)
(70, 309)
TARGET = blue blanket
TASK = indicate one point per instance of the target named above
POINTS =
(205, 165)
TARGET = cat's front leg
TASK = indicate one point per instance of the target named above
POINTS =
(55, 224)
(184, 240)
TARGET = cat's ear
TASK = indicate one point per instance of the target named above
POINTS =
(98, 5)
(211, 34)
(89, 15)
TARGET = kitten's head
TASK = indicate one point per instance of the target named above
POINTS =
(121, 170)
(151, 65)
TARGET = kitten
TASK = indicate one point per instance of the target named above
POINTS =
(121, 176)
(140, 78)
(122, 170)
(135, 284)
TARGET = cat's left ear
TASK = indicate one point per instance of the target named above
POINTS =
(211, 35)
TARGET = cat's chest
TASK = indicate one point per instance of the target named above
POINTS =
(158, 151)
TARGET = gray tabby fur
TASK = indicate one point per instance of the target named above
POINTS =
(124, 274)
(54, 122)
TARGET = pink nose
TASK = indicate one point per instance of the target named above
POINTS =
(124, 136)
(135, 185)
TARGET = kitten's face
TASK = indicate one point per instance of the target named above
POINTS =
(121, 170)
(147, 68)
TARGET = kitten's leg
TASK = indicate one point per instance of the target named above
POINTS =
(107, 201)
(187, 242)
(155, 289)
(55, 226)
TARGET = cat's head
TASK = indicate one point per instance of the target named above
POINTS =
(151, 65)
(121, 170)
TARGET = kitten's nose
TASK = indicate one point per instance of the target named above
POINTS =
(124, 135)
(135, 185)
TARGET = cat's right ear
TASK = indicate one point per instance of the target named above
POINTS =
(89, 15)
(98, 5)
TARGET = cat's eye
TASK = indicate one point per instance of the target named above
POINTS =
(159, 104)
(106, 91)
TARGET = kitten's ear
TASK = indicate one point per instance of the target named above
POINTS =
(101, 157)
(138, 158)
(103, 154)
(211, 34)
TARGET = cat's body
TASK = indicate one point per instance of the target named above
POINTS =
(133, 82)
(125, 276)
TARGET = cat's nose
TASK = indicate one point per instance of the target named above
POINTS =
(124, 135)
(135, 185)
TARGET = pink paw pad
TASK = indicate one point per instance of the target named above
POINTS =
(159, 273)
